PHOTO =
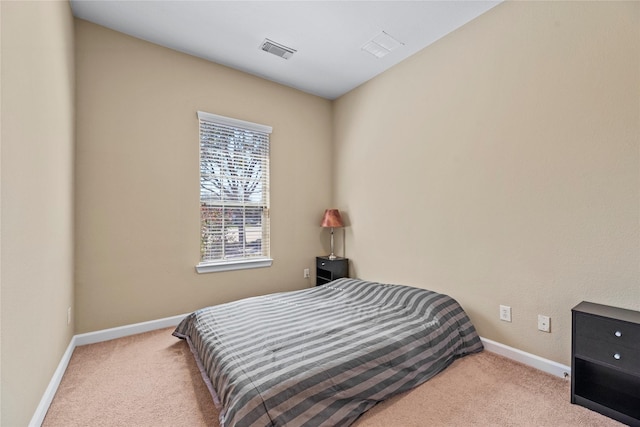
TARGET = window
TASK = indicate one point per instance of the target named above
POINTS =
(234, 194)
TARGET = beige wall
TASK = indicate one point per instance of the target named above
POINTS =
(500, 165)
(137, 188)
(37, 114)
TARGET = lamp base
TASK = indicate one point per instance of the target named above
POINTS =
(332, 257)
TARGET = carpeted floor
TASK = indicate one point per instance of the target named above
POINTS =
(151, 379)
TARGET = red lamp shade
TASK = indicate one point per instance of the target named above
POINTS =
(332, 218)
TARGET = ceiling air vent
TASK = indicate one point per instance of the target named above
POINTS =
(277, 49)
(381, 45)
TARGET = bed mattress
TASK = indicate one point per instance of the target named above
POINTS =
(323, 356)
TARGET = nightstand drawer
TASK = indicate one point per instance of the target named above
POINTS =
(616, 355)
(611, 331)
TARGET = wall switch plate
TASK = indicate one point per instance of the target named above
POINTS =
(544, 323)
(306, 273)
(505, 313)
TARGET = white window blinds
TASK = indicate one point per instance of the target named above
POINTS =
(234, 193)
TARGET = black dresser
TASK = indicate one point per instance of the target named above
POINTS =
(605, 361)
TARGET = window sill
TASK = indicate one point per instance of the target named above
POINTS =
(213, 267)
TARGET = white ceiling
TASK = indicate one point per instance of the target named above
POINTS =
(328, 35)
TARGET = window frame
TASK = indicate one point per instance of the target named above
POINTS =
(239, 263)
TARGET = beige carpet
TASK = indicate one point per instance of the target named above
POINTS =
(152, 380)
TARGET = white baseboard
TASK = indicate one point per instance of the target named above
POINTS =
(125, 331)
(529, 359)
(47, 398)
(540, 363)
(91, 338)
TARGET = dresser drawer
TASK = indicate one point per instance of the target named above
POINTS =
(616, 355)
(610, 331)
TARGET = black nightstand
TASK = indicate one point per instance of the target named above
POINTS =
(605, 361)
(330, 269)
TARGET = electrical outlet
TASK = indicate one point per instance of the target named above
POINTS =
(69, 316)
(306, 273)
(544, 323)
(505, 313)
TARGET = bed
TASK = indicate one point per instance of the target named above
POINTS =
(325, 355)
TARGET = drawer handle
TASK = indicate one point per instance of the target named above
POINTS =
(618, 334)
(617, 356)
(322, 263)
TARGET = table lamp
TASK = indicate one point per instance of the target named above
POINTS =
(332, 219)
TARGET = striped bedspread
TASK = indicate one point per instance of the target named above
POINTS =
(323, 356)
